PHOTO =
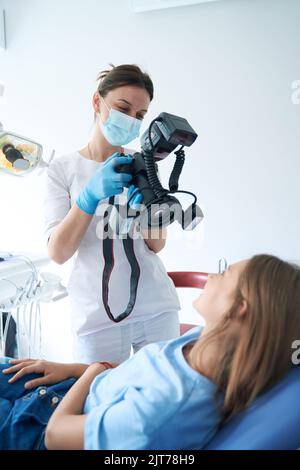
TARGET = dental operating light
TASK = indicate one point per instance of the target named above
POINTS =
(19, 155)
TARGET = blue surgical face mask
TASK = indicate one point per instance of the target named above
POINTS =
(120, 129)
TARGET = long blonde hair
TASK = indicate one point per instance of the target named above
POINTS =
(253, 360)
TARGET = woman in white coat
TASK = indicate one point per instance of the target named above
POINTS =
(77, 185)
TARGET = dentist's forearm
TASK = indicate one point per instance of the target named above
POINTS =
(155, 239)
(67, 236)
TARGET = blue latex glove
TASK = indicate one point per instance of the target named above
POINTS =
(137, 198)
(106, 182)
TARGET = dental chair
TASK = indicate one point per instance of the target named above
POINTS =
(273, 420)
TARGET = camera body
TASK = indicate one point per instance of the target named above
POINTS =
(159, 207)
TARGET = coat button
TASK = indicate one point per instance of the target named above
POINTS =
(55, 400)
(42, 392)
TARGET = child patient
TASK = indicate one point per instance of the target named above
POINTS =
(172, 394)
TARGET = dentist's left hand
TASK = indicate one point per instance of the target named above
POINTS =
(53, 372)
(137, 198)
(104, 183)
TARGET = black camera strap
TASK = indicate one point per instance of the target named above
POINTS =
(108, 253)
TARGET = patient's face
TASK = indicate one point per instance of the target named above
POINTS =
(219, 293)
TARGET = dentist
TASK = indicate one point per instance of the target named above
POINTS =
(76, 185)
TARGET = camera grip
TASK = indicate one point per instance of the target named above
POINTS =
(124, 168)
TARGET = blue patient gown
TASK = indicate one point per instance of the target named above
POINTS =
(154, 400)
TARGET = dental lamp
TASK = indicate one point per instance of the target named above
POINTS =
(19, 155)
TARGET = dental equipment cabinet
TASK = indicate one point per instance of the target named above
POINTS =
(22, 289)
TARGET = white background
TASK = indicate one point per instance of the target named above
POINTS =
(227, 66)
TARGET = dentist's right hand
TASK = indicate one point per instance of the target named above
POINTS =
(104, 183)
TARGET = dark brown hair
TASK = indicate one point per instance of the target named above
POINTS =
(123, 75)
(257, 356)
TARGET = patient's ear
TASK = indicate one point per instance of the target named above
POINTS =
(242, 310)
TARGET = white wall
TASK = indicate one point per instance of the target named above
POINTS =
(227, 66)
